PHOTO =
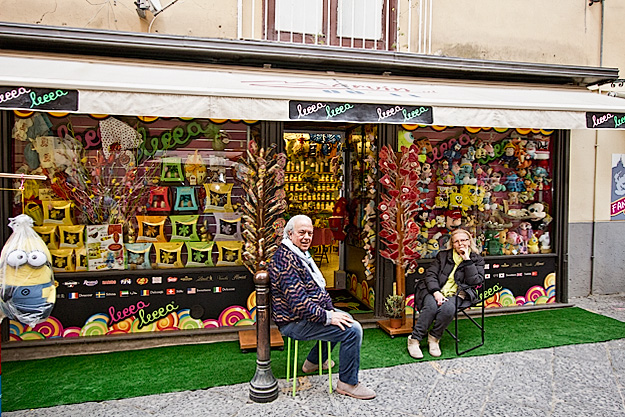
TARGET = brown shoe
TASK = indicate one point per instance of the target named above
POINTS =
(308, 367)
(358, 391)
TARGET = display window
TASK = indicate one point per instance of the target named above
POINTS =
(497, 183)
(160, 179)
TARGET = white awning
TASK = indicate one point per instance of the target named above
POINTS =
(200, 91)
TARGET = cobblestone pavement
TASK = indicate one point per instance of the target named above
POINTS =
(574, 380)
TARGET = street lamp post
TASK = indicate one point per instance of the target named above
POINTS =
(264, 386)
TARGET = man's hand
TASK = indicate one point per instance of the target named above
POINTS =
(440, 298)
(341, 319)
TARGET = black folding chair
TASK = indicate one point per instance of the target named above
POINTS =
(479, 325)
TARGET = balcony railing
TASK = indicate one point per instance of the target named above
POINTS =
(390, 25)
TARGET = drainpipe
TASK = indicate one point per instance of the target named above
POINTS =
(593, 233)
(594, 216)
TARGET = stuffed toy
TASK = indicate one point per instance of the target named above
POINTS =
(545, 243)
(532, 245)
(537, 216)
(27, 288)
(495, 181)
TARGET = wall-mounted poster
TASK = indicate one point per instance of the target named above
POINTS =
(617, 206)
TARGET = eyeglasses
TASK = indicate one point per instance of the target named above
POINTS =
(460, 241)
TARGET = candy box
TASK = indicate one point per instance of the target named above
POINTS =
(105, 248)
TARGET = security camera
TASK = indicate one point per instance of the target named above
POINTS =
(152, 5)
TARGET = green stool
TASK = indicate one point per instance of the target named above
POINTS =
(288, 363)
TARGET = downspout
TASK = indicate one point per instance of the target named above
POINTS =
(594, 185)
(594, 216)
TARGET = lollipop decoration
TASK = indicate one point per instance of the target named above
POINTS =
(399, 208)
(262, 178)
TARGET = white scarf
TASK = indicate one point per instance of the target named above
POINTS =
(307, 261)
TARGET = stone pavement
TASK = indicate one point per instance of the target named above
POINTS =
(575, 380)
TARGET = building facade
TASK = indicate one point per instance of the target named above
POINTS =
(485, 79)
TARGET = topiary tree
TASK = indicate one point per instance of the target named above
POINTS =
(399, 206)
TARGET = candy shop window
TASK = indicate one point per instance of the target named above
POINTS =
(497, 183)
(314, 174)
(131, 192)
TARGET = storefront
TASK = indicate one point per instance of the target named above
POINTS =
(140, 209)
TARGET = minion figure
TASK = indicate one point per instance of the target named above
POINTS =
(27, 291)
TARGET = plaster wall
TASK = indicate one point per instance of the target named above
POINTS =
(527, 31)
(205, 18)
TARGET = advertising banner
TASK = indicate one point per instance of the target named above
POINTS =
(617, 202)
(145, 301)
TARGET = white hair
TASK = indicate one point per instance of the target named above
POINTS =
(290, 225)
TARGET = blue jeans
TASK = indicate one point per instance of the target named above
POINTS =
(349, 353)
(440, 316)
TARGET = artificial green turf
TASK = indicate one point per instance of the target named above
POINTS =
(77, 379)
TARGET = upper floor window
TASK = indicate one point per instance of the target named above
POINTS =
(369, 24)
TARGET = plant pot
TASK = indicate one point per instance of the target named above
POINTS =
(395, 323)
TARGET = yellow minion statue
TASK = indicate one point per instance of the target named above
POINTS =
(27, 291)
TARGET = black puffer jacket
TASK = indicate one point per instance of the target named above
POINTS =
(468, 276)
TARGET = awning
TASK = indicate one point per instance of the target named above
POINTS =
(167, 90)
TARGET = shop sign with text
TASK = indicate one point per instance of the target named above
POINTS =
(28, 98)
(359, 112)
(605, 120)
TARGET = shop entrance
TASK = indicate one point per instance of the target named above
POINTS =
(330, 176)
(314, 184)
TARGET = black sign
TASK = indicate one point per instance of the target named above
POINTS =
(357, 112)
(144, 296)
(605, 120)
(26, 98)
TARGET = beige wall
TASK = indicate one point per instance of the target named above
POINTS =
(581, 178)
(614, 34)
(561, 32)
(201, 18)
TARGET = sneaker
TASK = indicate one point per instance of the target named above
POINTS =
(308, 367)
(358, 391)
(434, 348)
(413, 348)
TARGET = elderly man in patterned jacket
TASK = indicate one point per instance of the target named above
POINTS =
(302, 308)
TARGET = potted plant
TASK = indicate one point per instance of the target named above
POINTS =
(394, 307)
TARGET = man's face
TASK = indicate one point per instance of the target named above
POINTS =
(302, 234)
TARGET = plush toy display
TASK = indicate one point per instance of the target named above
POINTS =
(495, 183)
(26, 282)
